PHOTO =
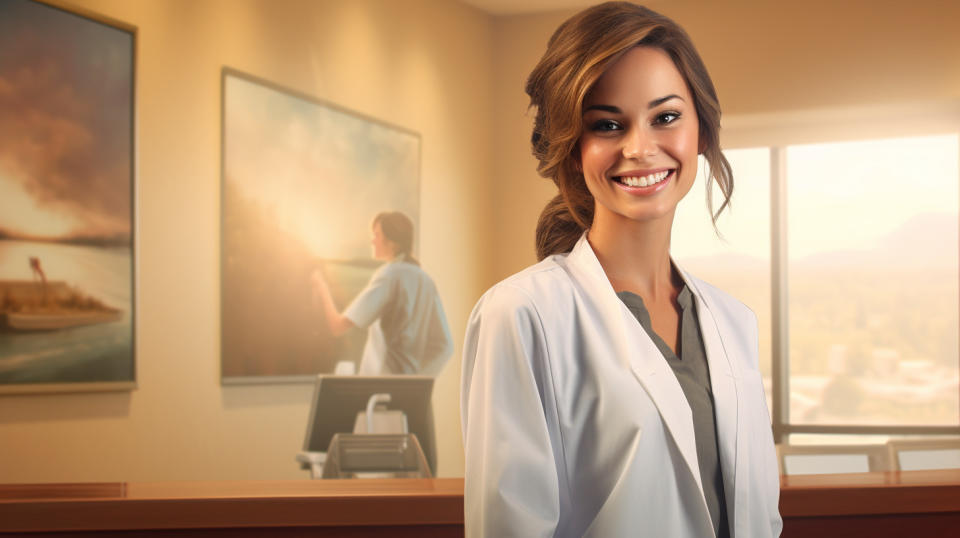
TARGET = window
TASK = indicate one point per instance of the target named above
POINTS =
(873, 298)
(848, 253)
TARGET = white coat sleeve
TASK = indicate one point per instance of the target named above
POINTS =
(511, 479)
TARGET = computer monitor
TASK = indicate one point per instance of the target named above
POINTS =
(337, 399)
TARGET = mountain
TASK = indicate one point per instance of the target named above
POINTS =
(924, 241)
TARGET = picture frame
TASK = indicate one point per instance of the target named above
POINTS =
(67, 178)
(301, 180)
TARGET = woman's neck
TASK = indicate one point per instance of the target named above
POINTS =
(635, 255)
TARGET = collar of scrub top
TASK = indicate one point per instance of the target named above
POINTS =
(636, 348)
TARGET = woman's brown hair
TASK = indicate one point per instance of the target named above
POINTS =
(577, 55)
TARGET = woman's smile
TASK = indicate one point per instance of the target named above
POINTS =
(644, 182)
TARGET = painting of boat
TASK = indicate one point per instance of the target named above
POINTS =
(49, 321)
(29, 306)
(67, 248)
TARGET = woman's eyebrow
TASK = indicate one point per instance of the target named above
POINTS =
(664, 99)
(605, 108)
(616, 110)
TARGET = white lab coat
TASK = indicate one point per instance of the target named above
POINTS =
(575, 425)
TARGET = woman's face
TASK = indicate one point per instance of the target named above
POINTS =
(639, 146)
(383, 248)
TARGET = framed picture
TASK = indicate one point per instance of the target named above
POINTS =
(66, 200)
(301, 182)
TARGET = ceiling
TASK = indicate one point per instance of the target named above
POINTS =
(517, 7)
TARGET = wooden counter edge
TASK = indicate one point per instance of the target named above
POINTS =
(351, 507)
(142, 506)
(911, 492)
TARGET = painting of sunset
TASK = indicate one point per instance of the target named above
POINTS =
(66, 213)
(302, 181)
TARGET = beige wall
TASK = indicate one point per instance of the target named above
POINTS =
(424, 65)
(450, 73)
(765, 57)
(519, 193)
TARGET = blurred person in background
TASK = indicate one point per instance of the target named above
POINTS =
(407, 331)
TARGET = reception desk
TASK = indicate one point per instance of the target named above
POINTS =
(349, 508)
(917, 503)
(894, 504)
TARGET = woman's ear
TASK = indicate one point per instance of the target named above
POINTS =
(701, 145)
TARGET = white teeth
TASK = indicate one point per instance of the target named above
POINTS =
(644, 181)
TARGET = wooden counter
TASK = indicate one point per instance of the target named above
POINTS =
(894, 504)
(917, 503)
(399, 507)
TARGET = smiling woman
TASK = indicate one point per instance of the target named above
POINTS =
(605, 390)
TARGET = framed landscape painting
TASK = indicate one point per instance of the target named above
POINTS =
(302, 181)
(66, 201)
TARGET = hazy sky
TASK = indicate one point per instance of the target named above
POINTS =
(321, 172)
(856, 194)
(840, 196)
(65, 104)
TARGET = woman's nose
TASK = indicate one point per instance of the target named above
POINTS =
(638, 144)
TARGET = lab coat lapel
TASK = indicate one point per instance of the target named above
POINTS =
(631, 343)
(726, 400)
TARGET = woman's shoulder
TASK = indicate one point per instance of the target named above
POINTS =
(533, 288)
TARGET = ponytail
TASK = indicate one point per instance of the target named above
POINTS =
(558, 229)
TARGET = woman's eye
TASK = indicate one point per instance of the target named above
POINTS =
(604, 125)
(666, 118)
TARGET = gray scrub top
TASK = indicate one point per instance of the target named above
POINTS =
(692, 372)
(408, 332)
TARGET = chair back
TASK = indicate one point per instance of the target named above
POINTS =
(924, 454)
(832, 459)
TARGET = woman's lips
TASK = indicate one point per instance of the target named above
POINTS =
(644, 183)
